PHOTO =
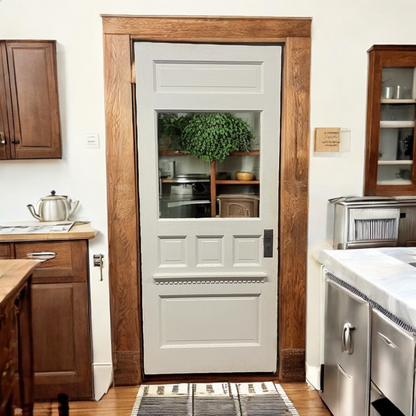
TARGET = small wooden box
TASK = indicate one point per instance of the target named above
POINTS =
(238, 205)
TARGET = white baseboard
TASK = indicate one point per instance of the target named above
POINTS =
(103, 379)
(313, 376)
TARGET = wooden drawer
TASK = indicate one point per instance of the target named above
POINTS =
(5, 251)
(69, 265)
(393, 361)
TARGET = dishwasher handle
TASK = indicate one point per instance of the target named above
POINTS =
(346, 338)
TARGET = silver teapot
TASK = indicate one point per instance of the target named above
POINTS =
(54, 208)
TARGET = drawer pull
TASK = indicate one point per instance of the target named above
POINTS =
(41, 256)
(346, 342)
(386, 340)
(343, 372)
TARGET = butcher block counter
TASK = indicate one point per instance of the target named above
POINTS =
(16, 323)
(61, 319)
(76, 232)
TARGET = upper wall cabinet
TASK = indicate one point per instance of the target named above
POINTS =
(391, 105)
(29, 106)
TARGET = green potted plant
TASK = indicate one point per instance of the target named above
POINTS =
(213, 136)
(170, 127)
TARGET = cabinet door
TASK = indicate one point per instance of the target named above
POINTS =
(4, 93)
(391, 110)
(61, 319)
(346, 352)
(5, 251)
(34, 97)
(62, 346)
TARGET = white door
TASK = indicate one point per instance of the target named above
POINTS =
(209, 294)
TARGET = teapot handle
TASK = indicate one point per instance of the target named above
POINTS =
(74, 205)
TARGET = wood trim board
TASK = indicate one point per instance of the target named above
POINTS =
(122, 197)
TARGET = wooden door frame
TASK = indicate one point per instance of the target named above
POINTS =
(122, 192)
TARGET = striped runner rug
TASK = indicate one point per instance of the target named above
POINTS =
(213, 399)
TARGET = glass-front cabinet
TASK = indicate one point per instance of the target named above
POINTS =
(196, 182)
(390, 150)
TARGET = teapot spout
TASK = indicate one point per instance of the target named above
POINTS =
(74, 205)
(33, 212)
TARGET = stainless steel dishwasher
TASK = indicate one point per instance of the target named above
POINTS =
(369, 356)
(346, 377)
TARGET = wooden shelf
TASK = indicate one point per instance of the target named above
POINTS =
(212, 175)
(250, 153)
(235, 182)
(174, 153)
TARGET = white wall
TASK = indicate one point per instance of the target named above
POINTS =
(342, 32)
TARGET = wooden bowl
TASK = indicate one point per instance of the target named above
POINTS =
(244, 176)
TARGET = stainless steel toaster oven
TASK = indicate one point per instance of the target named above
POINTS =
(371, 221)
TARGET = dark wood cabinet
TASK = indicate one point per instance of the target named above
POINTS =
(29, 104)
(60, 317)
(391, 113)
(16, 358)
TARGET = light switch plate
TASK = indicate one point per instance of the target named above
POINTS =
(92, 141)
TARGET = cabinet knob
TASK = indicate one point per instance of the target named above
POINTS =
(2, 139)
(15, 141)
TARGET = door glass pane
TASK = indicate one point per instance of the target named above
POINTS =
(397, 122)
(203, 172)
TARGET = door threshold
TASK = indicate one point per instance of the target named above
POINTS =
(204, 378)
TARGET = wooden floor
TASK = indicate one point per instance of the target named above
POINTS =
(119, 402)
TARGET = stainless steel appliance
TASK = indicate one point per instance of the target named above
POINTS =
(381, 405)
(345, 374)
(371, 221)
(185, 196)
(392, 366)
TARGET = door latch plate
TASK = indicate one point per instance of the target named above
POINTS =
(268, 243)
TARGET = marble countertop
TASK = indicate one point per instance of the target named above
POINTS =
(384, 275)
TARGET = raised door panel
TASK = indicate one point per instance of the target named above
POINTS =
(34, 94)
(5, 251)
(62, 343)
(69, 265)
